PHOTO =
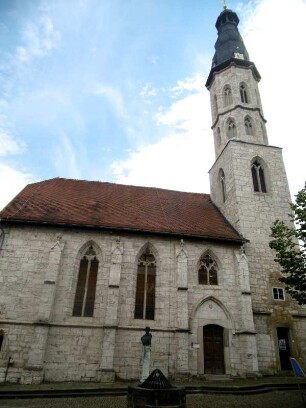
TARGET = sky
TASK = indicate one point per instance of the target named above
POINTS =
(114, 90)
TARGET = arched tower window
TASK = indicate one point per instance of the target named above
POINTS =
(86, 286)
(215, 105)
(231, 129)
(145, 286)
(258, 176)
(208, 271)
(218, 137)
(264, 133)
(222, 184)
(227, 95)
(248, 124)
(244, 93)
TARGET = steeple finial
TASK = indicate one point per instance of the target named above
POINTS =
(224, 4)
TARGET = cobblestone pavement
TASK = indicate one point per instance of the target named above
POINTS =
(276, 399)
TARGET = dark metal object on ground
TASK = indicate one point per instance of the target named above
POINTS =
(156, 391)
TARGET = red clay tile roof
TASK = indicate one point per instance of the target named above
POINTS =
(114, 206)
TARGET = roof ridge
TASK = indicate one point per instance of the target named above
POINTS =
(116, 184)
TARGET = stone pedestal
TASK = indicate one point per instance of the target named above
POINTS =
(146, 363)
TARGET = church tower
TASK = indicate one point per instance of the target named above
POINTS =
(249, 185)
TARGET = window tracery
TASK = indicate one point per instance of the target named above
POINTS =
(244, 94)
(86, 285)
(227, 95)
(145, 286)
(249, 129)
(222, 184)
(258, 176)
(208, 271)
(231, 129)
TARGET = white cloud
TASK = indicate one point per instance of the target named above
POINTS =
(11, 183)
(192, 84)
(8, 145)
(275, 43)
(187, 112)
(176, 162)
(148, 91)
(39, 40)
(181, 159)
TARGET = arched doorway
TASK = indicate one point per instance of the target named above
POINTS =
(213, 349)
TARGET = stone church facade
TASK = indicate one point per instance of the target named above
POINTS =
(85, 266)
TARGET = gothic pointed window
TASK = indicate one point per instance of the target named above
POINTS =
(244, 94)
(218, 137)
(258, 176)
(227, 95)
(249, 128)
(145, 286)
(208, 271)
(222, 184)
(264, 133)
(215, 105)
(231, 129)
(86, 286)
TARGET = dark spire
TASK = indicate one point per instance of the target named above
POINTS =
(229, 46)
(229, 42)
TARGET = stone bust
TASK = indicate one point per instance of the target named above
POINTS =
(147, 337)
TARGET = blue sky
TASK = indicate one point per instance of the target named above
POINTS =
(114, 90)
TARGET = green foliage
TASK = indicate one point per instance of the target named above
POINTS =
(290, 247)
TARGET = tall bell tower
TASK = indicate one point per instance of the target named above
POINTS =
(248, 181)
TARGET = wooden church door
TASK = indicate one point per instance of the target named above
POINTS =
(213, 349)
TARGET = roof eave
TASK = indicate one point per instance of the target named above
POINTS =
(232, 61)
(237, 240)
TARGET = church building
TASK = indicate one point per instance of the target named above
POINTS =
(85, 266)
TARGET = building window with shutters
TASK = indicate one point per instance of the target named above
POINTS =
(258, 176)
(208, 271)
(145, 286)
(86, 285)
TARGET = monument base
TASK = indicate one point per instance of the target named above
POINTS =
(156, 391)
